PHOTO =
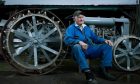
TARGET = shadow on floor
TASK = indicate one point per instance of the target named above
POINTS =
(66, 74)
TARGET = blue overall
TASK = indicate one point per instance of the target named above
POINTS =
(96, 46)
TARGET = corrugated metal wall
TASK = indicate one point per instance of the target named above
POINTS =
(70, 2)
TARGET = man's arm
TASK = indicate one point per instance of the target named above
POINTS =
(95, 38)
(98, 39)
(70, 40)
(69, 37)
(109, 42)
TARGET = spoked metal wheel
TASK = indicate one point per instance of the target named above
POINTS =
(34, 41)
(127, 53)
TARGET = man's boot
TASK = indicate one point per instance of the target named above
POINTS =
(105, 73)
(90, 77)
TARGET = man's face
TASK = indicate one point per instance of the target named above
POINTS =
(79, 19)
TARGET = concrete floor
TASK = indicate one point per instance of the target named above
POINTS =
(66, 74)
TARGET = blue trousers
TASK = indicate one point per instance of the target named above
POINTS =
(104, 51)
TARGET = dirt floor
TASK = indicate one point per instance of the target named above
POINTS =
(66, 74)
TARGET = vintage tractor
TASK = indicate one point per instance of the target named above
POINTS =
(31, 40)
(126, 49)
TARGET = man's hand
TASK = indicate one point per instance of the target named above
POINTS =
(84, 45)
(109, 42)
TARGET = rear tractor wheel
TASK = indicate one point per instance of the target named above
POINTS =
(33, 41)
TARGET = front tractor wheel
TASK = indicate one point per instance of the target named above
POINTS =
(126, 53)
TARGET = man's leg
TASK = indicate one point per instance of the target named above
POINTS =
(80, 58)
(105, 52)
(106, 55)
(106, 63)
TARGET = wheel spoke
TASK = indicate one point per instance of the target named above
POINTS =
(29, 33)
(35, 57)
(128, 63)
(28, 29)
(30, 24)
(16, 40)
(121, 50)
(21, 49)
(21, 34)
(136, 48)
(19, 44)
(49, 49)
(120, 55)
(34, 24)
(130, 45)
(54, 39)
(40, 31)
(49, 33)
(22, 26)
(125, 44)
(46, 55)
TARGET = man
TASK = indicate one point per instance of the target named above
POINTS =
(85, 44)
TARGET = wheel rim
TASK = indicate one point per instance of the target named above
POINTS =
(34, 41)
(126, 53)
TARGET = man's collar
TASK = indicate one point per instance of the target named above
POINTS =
(83, 25)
